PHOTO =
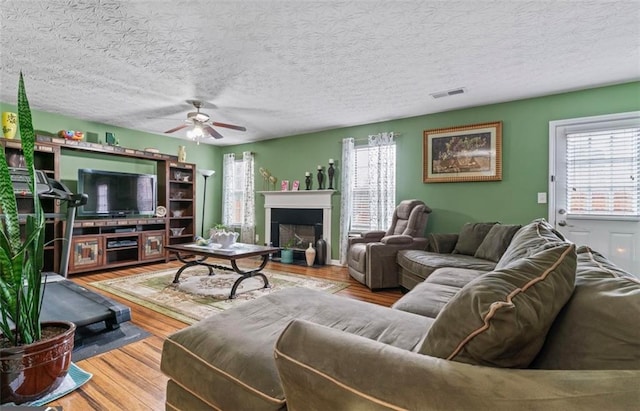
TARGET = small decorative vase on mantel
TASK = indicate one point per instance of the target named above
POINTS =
(310, 255)
(182, 154)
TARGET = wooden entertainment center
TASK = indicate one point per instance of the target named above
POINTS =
(115, 242)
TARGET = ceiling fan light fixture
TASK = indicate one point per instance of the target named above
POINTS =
(196, 132)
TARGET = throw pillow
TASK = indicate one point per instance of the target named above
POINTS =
(496, 241)
(501, 318)
(598, 328)
(529, 239)
(470, 237)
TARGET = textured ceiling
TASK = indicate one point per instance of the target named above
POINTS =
(287, 67)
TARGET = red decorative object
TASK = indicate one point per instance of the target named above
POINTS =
(29, 372)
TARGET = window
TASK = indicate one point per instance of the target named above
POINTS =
(364, 172)
(237, 194)
(603, 172)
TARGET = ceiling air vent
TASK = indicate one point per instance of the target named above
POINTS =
(448, 93)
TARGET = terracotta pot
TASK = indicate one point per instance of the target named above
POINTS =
(29, 372)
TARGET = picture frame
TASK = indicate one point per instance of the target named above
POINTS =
(284, 185)
(465, 153)
(296, 185)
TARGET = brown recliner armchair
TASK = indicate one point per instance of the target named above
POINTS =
(371, 258)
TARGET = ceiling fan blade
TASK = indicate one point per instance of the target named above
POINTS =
(231, 126)
(176, 128)
(212, 132)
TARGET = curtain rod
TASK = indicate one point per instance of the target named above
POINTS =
(359, 140)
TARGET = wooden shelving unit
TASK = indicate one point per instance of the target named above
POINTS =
(47, 159)
(109, 243)
(96, 244)
(181, 197)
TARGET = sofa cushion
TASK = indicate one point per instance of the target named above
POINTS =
(428, 297)
(423, 263)
(501, 318)
(471, 236)
(530, 239)
(496, 241)
(598, 327)
(226, 360)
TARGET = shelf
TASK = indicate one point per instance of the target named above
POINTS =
(122, 248)
(47, 159)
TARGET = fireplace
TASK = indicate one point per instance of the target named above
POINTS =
(295, 228)
(300, 216)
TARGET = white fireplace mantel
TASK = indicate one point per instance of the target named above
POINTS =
(312, 199)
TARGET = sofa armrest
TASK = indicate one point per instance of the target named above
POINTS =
(367, 237)
(322, 368)
(375, 235)
(443, 243)
(400, 239)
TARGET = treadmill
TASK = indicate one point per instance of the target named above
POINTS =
(64, 299)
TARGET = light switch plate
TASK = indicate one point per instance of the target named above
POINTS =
(542, 198)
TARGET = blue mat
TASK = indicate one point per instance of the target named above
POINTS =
(75, 378)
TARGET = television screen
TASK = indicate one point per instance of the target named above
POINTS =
(117, 194)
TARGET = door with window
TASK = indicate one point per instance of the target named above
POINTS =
(595, 184)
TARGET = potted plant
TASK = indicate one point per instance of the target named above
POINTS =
(34, 356)
(286, 253)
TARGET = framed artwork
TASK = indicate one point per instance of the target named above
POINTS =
(465, 153)
(284, 185)
(296, 185)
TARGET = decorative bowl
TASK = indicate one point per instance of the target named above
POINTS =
(225, 238)
(176, 231)
(177, 213)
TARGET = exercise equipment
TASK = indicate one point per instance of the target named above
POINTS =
(64, 299)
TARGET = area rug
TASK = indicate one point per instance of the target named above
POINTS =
(75, 378)
(199, 295)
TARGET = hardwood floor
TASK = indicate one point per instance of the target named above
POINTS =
(129, 378)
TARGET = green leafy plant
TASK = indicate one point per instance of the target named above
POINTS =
(21, 254)
(220, 226)
(289, 244)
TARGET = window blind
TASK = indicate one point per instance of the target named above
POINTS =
(603, 172)
(361, 219)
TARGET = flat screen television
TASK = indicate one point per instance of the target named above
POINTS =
(117, 194)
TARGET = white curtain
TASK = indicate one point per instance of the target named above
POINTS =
(382, 184)
(228, 178)
(346, 203)
(248, 226)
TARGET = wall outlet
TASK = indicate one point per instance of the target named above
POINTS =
(542, 198)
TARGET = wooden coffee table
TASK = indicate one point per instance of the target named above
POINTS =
(237, 251)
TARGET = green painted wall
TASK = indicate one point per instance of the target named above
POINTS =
(525, 157)
(512, 200)
(204, 155)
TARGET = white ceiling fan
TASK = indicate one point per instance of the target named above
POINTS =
(202, 124)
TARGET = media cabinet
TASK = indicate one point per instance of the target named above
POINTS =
(105, 243)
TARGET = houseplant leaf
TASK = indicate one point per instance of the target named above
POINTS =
(21, 260)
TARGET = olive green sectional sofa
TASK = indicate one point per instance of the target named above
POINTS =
(550, 326)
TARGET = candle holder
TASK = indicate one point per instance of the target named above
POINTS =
(307, 180)
(330, 172)
(320, 178)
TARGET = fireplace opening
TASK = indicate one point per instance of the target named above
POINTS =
(296, 228)
(297, 236)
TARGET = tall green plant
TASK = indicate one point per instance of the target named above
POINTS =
(21, 254)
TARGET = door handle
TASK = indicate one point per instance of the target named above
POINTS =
(562, 223)
(562, 211)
